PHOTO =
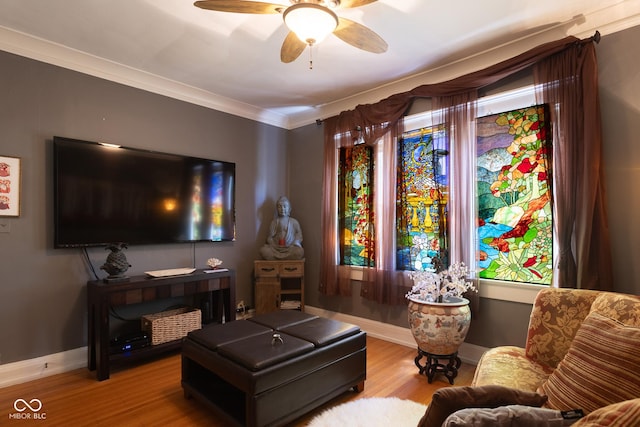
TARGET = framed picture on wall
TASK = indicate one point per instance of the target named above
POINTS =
(9, 186)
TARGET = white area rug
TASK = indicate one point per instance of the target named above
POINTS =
(372, 412)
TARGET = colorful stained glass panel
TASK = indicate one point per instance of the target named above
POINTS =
(423, 193)
(515, 220)
(355, 199)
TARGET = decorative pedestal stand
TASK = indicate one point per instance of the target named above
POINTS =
(433, 365)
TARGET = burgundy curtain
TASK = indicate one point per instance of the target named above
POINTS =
(588, 226)
(568, 82)
(335, 279)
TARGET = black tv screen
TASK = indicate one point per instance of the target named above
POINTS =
(106, 195)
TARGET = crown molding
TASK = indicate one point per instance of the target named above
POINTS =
(52, 53)
(618, 17)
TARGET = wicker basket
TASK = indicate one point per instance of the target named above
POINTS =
(171, 325)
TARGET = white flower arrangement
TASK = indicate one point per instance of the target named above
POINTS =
(214, 263)
(429, 286)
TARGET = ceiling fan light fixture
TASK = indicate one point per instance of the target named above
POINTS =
(310, 22)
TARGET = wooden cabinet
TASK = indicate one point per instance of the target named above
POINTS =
(279, 285)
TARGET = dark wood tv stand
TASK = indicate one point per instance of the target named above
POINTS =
(218, 287)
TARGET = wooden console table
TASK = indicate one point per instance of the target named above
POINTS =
(218, 288)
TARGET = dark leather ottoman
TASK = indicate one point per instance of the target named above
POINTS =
(248, 377)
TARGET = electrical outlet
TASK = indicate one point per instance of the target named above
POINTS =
(5, 226)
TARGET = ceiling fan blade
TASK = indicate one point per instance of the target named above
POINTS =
(359, 36)
(292, 47)
(355, 3)
(240, 6)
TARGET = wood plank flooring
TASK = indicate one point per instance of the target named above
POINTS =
(150, 394)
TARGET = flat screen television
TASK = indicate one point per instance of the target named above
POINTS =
(105, 195)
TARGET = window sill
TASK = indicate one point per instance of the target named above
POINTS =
(507, 291)
(356, 273)
(492, 289)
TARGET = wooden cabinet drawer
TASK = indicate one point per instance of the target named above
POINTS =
(292, 269)
(266, 269)
(279, 268)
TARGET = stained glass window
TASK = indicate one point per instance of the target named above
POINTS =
(355, 206)
(515, 220)
(422, 198)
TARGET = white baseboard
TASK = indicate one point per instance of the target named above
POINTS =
(40, 367)
(468, 353)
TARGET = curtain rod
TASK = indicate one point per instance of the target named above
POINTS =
(594, 38)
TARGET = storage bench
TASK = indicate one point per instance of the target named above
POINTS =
(272, 368)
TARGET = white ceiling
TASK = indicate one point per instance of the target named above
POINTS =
(231, 62)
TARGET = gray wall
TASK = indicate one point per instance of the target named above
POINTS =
(619, 77)
(42, 290)
(619, 73)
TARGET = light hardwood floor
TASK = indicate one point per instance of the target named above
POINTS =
(150, 394)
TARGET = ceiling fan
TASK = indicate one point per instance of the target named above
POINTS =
(309, 21)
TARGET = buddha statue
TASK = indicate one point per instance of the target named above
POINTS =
(285, 235)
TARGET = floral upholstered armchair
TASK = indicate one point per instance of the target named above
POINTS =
(581, 352)
(555, 318)
(580, 366)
